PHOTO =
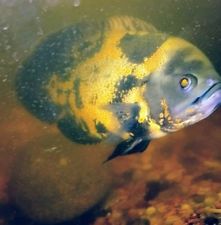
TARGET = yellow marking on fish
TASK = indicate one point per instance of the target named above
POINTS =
(174, 43)
(112, 65)
(161, 57)
(155, 129)
(165, 109)
(135, 95)
(144, 111)
(161, 115)
(165, 115)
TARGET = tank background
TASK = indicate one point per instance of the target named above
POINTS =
(23, 23)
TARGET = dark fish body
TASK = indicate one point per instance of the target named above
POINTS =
(119, 79)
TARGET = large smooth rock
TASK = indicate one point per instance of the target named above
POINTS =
(55, 180)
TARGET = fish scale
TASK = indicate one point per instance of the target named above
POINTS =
(120, 77)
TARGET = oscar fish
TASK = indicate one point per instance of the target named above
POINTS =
(119, 80)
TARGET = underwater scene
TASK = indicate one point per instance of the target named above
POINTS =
(109, 112)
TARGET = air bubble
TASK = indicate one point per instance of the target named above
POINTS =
(76, 3)
(5, 28)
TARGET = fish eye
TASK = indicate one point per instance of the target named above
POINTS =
(187, 81)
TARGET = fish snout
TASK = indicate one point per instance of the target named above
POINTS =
(213, 90)
(202, 106)
(210, 100)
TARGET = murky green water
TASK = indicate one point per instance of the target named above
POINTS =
(24, 23)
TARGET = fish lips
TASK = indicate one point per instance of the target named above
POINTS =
(204, 105)
(210, 100)
(200, 108)
(212, 92)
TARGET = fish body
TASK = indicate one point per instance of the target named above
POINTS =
(119, 80)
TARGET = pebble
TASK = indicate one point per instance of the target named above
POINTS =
(187, 209)
(198, 198)
(150, 211)
(209, 201)
(172, 220)
(211, 221)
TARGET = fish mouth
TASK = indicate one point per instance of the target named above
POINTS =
(204, 105)
(210, 92)
(199, 109)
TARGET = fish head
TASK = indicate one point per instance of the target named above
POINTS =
(184, 88)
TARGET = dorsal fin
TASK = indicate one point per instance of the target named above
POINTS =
(130, 24)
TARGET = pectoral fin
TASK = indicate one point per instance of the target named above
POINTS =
(130, 146)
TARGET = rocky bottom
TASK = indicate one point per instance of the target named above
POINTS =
(176, 182)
